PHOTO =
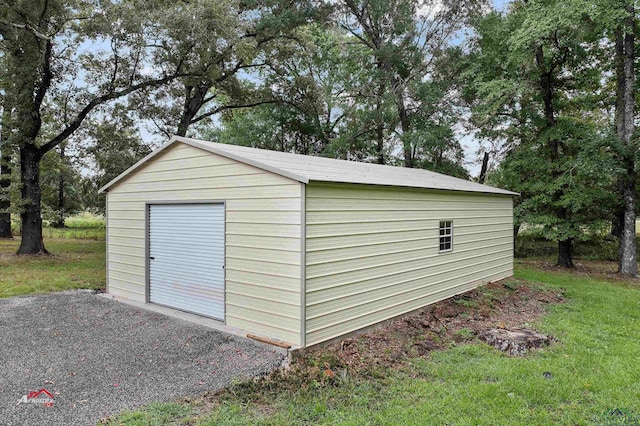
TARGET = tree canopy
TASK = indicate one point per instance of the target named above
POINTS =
(545, 87)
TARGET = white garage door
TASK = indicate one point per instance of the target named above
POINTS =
(186, 257)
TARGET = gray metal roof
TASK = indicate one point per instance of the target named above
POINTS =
(306, 168)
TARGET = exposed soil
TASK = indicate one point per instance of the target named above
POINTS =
(509, 304)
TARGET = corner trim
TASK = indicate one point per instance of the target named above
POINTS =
(303, 265)
(106, 238)
(147, 253)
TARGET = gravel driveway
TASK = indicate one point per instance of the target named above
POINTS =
(98, 357)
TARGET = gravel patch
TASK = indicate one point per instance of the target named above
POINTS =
(98, 357)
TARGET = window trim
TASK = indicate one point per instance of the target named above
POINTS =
(450, 235)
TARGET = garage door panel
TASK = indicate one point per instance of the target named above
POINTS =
(182, 260)
(186, 257)
(195, 244)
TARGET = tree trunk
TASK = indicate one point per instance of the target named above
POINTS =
(60, 222)
(380, 124)
(546, 91)
(483, 170)
(403, 115)
(61, 213)
(405, 124)
(628, 256)
(409, 160)
(380, 144)
(628, 264)
(565, 256)
(5, 176)
(193, 100)
(617, 225)
(5, 201)
(32, 242)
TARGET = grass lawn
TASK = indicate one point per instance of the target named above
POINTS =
(83, 226)
(589, 376)
(74, 264)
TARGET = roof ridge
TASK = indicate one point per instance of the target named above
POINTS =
(306, 168)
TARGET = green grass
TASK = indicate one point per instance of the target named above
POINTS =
(595, 378)
(73, 264)
(84, 226)
(74, 233)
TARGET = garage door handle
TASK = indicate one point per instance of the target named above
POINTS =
(151, 258)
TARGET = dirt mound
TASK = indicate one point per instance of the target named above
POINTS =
(508, 304)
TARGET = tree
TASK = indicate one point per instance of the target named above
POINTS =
(311, 79)
(625, 130)
(5, 183)
(333, 100)
(403, 39)
(531, 78)
(228, 39)
(60, 183)
(45, 55)
(6, 160)
(582, 192)
(111, 146)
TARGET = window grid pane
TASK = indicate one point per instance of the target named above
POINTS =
(446, 235)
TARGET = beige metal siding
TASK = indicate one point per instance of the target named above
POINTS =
(262, 245)
(372, 252)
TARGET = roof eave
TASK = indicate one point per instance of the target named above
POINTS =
(296, 177)
(498, 192)
(199, 145)
(136, 166)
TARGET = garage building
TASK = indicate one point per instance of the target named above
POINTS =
(297, 248)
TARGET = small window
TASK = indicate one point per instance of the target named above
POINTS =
(446, 236)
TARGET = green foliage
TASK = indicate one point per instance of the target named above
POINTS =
(112, 146)
(310, 76)
(336, 91)
(227, 45)
(57, 170)
(157, 414)
(596, 247)
(530, 85)
(577, 184)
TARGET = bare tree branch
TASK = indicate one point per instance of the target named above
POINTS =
(27, 27)
(97, 101)
(231, 107)
(47, 76)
